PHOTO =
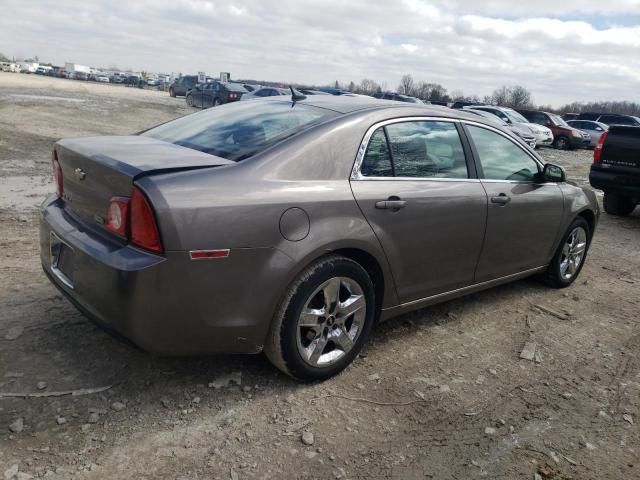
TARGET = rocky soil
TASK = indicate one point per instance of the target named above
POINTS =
(520, 381)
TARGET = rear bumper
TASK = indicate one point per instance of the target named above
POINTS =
(615, 182)
(169, 304)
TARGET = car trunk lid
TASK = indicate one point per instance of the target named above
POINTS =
(95, 169)
(622, 147)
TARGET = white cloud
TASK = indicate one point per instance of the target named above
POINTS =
(562, 51)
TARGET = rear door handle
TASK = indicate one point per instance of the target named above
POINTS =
(391, 204)
(501, 199)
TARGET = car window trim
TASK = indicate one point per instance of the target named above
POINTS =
(356, 175)
(476, 156)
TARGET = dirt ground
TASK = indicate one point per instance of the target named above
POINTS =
(438, 394)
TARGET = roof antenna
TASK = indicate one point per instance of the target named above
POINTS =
(296, 96)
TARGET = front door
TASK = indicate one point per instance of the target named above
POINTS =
(523, 214)
(414, 188)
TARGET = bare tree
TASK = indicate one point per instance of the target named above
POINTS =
(520, 97)
(501, 96)
(368, 87)
(406, 86)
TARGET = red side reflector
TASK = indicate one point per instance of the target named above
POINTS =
(208, 254)
(144, 230)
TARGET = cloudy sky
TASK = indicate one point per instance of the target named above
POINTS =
(561, 50)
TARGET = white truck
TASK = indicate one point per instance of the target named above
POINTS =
(73, 70)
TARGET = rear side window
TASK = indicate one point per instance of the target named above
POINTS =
(420, 149)
(241, 130)
(502, 159)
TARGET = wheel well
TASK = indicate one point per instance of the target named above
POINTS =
(590, 217)
(371, 265)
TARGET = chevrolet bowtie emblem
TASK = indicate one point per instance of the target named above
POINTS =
(80, 174)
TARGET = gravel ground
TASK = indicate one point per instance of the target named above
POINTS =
(441, 393)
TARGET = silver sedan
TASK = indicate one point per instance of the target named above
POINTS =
(293, 225)
(592, 128)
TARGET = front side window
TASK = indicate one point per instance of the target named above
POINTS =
(502, 159)
(420, 149)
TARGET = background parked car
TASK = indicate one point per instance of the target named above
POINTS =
(102, 78)
(396, 96)
(182, 85)
(265, 92)
(212, 94)
(308, 91)
(519, 129)
(591, 128)
(335, 91)
(565, 136)
(544, 136)
(611, 118)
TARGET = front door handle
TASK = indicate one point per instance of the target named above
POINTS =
(392, 203)
(501, 199)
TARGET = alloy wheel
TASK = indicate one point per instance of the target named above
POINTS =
(331, 321)
(573, 253)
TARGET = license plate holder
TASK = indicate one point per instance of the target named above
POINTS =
(62, 260)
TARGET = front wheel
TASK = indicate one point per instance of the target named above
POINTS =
(172, 93)
(324, 320)
(190, 100)
(570, 256)
(619, 205)
(562, 143)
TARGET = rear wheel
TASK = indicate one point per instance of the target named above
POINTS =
(324, 320)
(172, 93)
(190, 100)
(616, 204)
(562, 143)
(569, 258)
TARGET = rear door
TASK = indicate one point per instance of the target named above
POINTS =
(417, 191)
(523, 215)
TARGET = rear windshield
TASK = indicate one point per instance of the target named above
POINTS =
(235, 87)
(242, 129)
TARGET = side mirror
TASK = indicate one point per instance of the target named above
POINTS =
(554, 173)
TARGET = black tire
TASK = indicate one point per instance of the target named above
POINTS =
(189, 100)
(562, 143)
(619, 205)
(282, 342)
(553, 276)
(172, 93)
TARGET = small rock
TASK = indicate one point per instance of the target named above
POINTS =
(493, 372)
(11, 472)
(566, 395)
(603, 414)
(528, 351)
(14, 333)
(307, 438)
(166, 403)
(374, 377)
(61, 420)
(310, 454)
(118, 406)
(41, 385)
(537, 476)
(233, 475)
(227, 380)
(85, 428)
(246, 388)
(94, 417)
(360, 386)
(627, 418)
(445, 388)
(489, 431)
(196, 400)
(589, 446)
(23, 476)
(554, 457)
(17, 426)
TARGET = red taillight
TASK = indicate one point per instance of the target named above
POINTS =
(597, 152)
(57, 173)
(118, 216)
(144, 230)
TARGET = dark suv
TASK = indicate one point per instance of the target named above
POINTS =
(182, 85)
(565, 136)
(611, 118)
(212, 94)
